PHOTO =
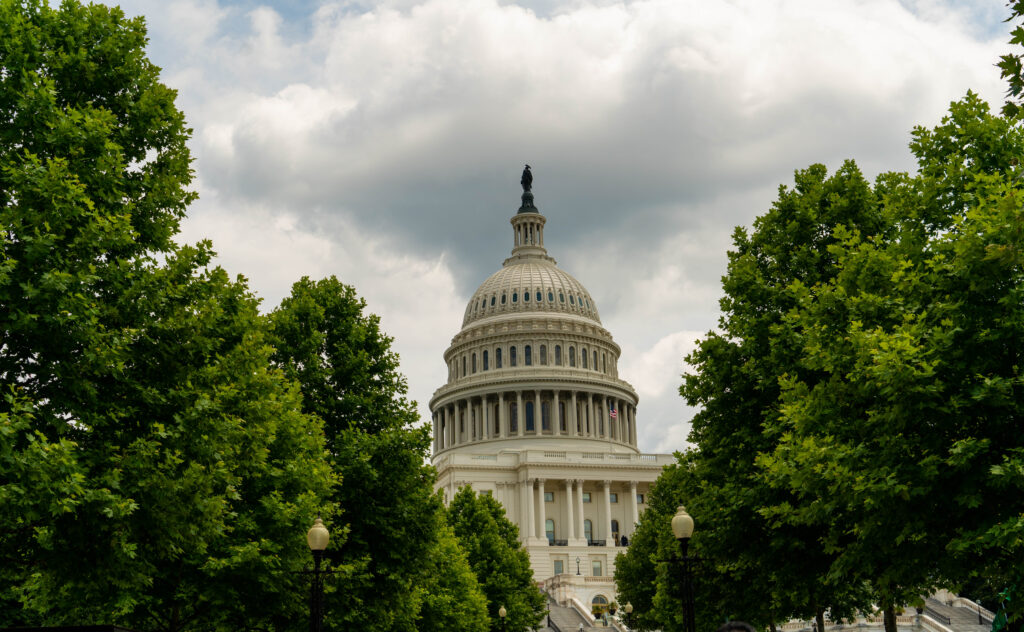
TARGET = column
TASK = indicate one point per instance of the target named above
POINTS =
(449, 418)
(538, 418)
(542, 517)
(502, 417)
(574, 420)
(520, 414)
(608, 513)
(634, 511)
(620, 421)
(632, 424)
(579, 508)
(525, 514)
(529, 522)
(486, 407)
(556, 418)
(570, 524)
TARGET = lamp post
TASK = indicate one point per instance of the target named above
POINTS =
(628, 609)
(501, 614)
(577, 565)
(317, 538)
(682, 527)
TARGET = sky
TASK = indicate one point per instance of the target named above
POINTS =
(382, 142)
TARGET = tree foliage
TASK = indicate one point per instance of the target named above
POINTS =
(349, 378)
(158, 472)
(491, 543)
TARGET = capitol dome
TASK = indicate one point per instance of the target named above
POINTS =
(532, 366)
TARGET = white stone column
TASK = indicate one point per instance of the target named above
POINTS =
(530, 506)
(570, 524)
(502, 416)
(538, 418)
(579, 508)
(608, 513)
(541, 510)
(525, 514)
(520, 414)
(634, 513)
(620, 421)
(574, 419)
(556, 418)
(632, 424)
(449, 414)
(485, 406)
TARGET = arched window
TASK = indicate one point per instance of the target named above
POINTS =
(529, 417)
(474, 363)
(584, 357)
(497, 358)
(604, 362)
(561, 297)
(503, 299)
(492, 300)
(572, 356)
(599, 603)
(515, 297)
(545, 416)
(486, 365)
(551, 296)
(558, 355)
(526, 296)
(539, 299)
(543, 355)
(595, 360)
(527, 356)
(549, 530)
(513, 417)
(572, 300)
(588, 530)
(615, 531)
(511, 356)
(463, 366)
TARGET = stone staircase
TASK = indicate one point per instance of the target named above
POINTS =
(960, 619)
(565, 619)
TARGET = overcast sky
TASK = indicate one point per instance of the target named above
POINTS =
(382, 142)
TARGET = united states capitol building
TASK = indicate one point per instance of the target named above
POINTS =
(535, 414)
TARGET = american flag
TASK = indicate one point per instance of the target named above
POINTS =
(613, 413)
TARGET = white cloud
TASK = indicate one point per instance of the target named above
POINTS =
(383, 144)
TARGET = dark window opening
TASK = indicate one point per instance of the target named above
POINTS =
(527, 356)
(543, 355)
(486, 366)
(497, 358)
(511, 356)
(529, 417)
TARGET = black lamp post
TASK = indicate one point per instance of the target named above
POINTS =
(577, 565)
(682, 527)
(501, 614)
(628, 609)
(317, 538)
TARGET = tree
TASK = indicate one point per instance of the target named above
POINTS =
(349, 378)
(907, 447)
(491, 543)
(157, 470)
(449, 593)
(768, 570)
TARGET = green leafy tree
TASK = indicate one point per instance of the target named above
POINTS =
(349, 378)
(491, 543)
(157, 470)
(908, 448)
(449, 593)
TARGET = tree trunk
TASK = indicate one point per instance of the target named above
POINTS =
(771, 626)
(889, 617)
(819, 617)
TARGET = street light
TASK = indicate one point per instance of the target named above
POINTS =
(317, 538)
(682, 527)
(577, 565)
(501, 613)
(628, 609)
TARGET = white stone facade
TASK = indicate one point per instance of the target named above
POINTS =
(534, 413)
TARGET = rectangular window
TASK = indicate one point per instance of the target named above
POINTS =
(639, 499)
(511, 356)
(559, 567)
(549, 497)
(586, 497)
(595, 568)
(613, 497)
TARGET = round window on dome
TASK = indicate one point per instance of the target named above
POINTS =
(515, 297)
(539, 298)
(526, 296)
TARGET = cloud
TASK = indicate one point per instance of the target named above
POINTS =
(382, 142)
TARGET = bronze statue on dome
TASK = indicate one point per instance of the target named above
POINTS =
(527, 179)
